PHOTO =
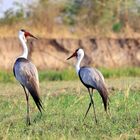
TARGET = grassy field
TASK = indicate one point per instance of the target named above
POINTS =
(69, 74)
(65, 103)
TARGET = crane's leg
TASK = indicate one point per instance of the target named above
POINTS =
(92, 102)
(28, 109)
(89, 105)
(87, 110)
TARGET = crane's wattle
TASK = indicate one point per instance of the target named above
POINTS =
(79, 54)
(22, 36)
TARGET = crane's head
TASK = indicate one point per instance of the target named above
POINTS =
(24, 34)
(79, 53)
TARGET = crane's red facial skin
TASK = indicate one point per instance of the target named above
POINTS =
(73, 55)
(29, 34)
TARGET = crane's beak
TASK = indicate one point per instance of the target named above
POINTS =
(73, 55)
(33, 36)
(29, 34)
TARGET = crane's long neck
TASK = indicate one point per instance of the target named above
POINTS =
(79, 59)
(25, 48)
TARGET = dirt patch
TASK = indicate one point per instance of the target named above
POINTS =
(52, 53)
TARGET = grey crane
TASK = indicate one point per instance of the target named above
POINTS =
(92, 79)
(27, 75)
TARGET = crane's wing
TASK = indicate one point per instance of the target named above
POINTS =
(26, 73)
(92, 78)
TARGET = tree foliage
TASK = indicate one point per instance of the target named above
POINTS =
(109, 14)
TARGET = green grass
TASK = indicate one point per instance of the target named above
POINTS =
(65, 103)
(120, 72)
(70, 74)
(55, 75)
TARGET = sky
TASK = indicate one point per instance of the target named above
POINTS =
(6, 4)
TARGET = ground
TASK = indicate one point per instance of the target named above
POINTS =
(65, 103)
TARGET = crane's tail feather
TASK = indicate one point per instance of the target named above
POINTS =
(104, 94)
(36, 98)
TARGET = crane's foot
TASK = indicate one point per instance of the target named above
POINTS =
(96, 121)
(28, 121)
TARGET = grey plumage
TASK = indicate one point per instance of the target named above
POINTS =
(92, 78)
(26, 73)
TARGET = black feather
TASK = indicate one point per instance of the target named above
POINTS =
(36, 97)
(104, 94)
